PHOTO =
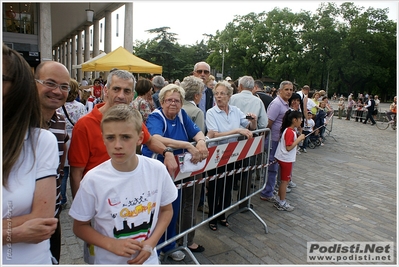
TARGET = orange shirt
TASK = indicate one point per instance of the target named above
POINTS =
(393, 107)
(87, 149)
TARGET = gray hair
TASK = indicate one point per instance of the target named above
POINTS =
(192, 86)
(225, 84)
(247, 82)
(171, 88)
(284, 83)
(121, 74)
(158, 81)
(200, 63)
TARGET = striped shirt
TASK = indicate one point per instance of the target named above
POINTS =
(58, 128)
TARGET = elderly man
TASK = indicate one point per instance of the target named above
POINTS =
(275, 112)
(52, 80)
(248, 103)
(202, 70)
(87, 149)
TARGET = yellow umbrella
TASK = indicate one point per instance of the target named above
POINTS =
(122, 59)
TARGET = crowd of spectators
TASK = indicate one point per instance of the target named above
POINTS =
(104, 132)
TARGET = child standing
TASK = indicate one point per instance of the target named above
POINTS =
(286, 154)
(127, 198)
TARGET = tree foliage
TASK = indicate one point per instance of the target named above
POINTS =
(345, 49)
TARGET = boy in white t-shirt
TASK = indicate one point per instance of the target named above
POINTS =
(123, 206)
(307, 129)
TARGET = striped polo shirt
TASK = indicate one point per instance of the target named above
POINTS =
(57, 126)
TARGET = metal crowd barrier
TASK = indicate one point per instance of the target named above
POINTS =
(247, 156)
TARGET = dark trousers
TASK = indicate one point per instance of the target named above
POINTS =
(219, 192)
(369, 116)
(55, 242)
(359, 115)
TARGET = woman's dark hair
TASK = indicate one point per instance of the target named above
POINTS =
(143, 86)
(21, 107)
(288, 118)
(293, 97)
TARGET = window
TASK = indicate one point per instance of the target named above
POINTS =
(18, 17)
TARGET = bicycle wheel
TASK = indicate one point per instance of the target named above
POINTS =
(382, 125)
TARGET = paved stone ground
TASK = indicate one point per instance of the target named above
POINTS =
(347, 191)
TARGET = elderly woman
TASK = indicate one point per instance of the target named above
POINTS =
(173, 127)
(210, 82)
(193, 88)
(143, 102)
(223, 120)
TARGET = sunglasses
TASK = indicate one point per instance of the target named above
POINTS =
(202, 71)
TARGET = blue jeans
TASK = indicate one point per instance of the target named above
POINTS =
(171, 230)
(272, 171)
(64, 185)
(307, 139)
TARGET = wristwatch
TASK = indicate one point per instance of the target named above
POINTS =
(168, 149)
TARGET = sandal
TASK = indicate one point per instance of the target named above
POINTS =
(224, 222)
(213, 226)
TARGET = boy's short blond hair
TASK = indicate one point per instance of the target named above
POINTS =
(123, 113)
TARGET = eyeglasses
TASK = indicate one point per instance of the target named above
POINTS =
(53, 85)
(171, 100)
(220, 93)
(202, 71)
(7, 79)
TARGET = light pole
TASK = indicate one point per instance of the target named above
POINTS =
(224, 49)
(223, 62)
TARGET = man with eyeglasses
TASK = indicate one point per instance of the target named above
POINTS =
(52, 82)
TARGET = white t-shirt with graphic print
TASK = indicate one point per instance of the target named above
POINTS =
(123, 204)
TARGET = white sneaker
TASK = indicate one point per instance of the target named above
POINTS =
(177, 255)
(304, 150)
(390, 122)
(285, 206)
(291, 184)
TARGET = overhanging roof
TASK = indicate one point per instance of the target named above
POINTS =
(69, 18)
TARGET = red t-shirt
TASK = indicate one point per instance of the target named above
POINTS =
(87, 149)
(97, 91)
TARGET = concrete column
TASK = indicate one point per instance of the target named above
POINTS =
(65, 44)
(68, 50)
(45, 37)
(108, 32)
(80, 56)
(128, 32)
(87, 47)
(73, 56)
(96, 42)
(56, 54)
(62, 52)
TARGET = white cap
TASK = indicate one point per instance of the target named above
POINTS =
(228, 78)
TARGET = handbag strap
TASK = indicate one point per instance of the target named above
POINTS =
(67, 116)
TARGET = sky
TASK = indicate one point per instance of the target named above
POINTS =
(191, 19)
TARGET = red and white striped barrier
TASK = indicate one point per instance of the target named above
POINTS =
(224, 154)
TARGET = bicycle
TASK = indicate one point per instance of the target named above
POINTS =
(383, 124)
